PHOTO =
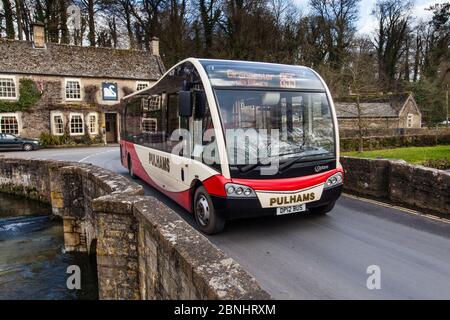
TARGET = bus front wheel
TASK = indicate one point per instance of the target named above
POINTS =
(208, 221)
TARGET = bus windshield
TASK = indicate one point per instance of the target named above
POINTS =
(300, 124)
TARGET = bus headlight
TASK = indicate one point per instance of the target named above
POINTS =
(334, 181)
(239, 191)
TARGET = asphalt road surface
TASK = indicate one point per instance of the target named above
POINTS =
(322, 257)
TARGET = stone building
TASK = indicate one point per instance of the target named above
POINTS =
(386, 112)
(69, 90)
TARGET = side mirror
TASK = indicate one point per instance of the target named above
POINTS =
(185, 104)
(200, 104)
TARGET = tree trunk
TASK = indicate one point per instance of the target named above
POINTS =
(91, 17)
(113, 31)
(19, 12)
(9, 19)
(417, 58)
(65, 39)
(127, 11)
(360, 126)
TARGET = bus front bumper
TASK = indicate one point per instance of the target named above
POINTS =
(230, 208)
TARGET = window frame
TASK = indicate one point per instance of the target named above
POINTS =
(154, 120)
(140, 83)
(16, 91)
(409, 120)
(71, 116)
(18, 117)
(66, 81)
(88, 123)
(53, 123)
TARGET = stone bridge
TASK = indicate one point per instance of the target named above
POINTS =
(144, 250)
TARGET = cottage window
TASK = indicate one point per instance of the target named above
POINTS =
(409, 121)
(73, 90)
(58, 125)
(149, 125)
(9, 124)
(76, 124)
(142, 85)
(7, 88)
(93, 123)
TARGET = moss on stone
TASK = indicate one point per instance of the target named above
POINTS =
(27, 192)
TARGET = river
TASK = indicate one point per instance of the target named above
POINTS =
(33, 263)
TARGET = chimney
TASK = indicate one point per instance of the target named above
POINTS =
(39, 34)
(155, 46)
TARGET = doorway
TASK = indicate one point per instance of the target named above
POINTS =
(111, 127)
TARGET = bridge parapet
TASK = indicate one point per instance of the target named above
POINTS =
(144, 250)
(417, 187)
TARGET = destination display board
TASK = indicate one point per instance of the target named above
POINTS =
(260, 75)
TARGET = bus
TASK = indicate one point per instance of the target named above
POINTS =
(235, 139)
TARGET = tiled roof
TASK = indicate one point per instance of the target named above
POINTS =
(75, 61)
(368, 110)
(371, 107)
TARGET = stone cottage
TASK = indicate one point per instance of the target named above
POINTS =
(398, 111)
(69, 90)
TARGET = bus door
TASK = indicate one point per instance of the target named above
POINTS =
(181, 147)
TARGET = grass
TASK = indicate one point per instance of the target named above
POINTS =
(415, 155)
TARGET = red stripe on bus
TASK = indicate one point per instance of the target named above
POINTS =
(182, 198)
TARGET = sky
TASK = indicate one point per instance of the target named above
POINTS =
(367, 23)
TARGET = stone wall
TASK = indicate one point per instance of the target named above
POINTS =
(397, 141)
(416, 187)
(144, 250)
(383, 132)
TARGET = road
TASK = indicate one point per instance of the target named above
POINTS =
(311, 257)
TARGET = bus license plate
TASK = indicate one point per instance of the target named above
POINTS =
(290, 210)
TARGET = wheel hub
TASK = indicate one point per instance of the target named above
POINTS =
(203, 213)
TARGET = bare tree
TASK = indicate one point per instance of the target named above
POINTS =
(358, 74)
(9, 19)
(337, 20)
(210, 14)
(393, 21)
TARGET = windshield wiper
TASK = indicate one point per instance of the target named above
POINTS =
(251, 167)
(289, 163)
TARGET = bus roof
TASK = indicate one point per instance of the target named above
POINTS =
(230, 73)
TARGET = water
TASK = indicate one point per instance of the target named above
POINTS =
(32, 261)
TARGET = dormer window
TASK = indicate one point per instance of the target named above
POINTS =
(141, 85)
(73, 90)
(8, 88)
(409, 120)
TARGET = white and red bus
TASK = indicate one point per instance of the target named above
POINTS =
(235, 139)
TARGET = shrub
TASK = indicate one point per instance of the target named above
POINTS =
(48, 139)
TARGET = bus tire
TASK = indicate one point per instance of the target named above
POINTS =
(208, 221)
(323, 209)
(130, 168)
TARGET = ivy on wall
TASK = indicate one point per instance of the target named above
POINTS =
(29, 95)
